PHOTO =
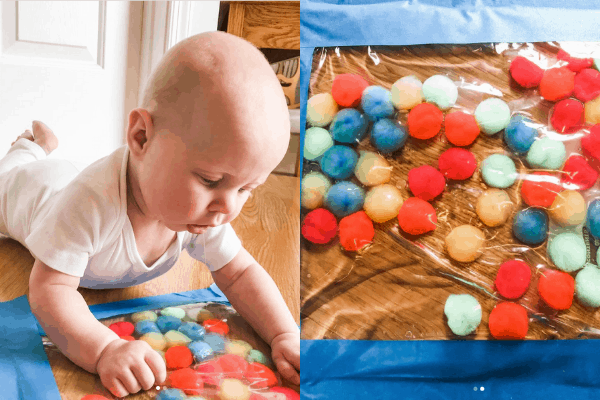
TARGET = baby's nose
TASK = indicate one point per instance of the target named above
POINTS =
(225, 203)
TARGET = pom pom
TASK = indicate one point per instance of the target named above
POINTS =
(520, 134)
(349, 126)
(347, 89)
(122, 328)
(579, 175)
(319, 226)
(417, 216)
(339, 161)
(178, 357)
(376, 102)
(525, 72)
(593, 218)
(512, 280)
(458, 164)
(463, 312)
(556, 288)
(530, 226)
(574, 64)
(540, 189)
(424, 121)
(591, 142)
(388, 136)
(344, 198)
(461, 129)
(426, 182)
(356, 231)
(567, 115)
(557, 83)
(508, 321)
(587, 85)
(187, 379)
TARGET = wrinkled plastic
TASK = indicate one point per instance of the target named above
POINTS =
(396, 287)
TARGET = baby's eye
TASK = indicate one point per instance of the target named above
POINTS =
(208, 182)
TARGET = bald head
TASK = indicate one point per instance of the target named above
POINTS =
(216, 86)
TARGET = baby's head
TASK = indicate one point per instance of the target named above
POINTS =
(212, 126)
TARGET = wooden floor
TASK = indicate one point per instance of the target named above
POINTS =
(269, 229)
(397, 287)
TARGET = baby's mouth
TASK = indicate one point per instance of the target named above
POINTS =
(197, 229)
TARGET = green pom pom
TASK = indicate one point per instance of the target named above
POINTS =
(463, 312)
(567, 250)
(587, 286)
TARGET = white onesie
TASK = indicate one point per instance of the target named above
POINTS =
(77, 223)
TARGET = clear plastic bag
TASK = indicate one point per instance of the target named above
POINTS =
(223, 369)
(396, 287)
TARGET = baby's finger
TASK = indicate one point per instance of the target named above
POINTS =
(287, 371)
(157, 365)
(130, 382)
(144, 375)
(116, 387)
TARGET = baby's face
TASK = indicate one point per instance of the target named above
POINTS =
(192, 184)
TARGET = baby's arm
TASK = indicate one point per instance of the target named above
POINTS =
(253, 293)
(124, 367)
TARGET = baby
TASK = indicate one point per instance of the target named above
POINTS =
(212, 127)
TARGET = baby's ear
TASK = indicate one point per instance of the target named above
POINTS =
(139, 130)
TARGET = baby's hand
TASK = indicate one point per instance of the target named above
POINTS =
(126, 367)
(286, 356)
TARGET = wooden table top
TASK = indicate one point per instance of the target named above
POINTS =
(396, 288)
(269, 229)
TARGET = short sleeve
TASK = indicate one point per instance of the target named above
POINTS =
(216, 247)
(74, 228)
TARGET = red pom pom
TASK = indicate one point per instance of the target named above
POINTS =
(356, 231)
(574, 64)
(417, 216)
(508, 321)
(319, 226)
(578, 173)
(122, 328)
(260, 376)
(216, 326)
(556, 289)
(525, 72)
(591, 142)
(233, 366)
(461, 129)
(513, 279)
(289, 393)
(211, 372)
(424, 121)
(128, 338)
(186, 379)
(457, 164)
(178, 357)
(567, 115)
(557, 83)
(587, 85)
(426, 182)
(540, 189)
(93, 397)
(347, 89)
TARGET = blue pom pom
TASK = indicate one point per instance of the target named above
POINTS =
(168, 323)
(593, 218)
(339, 161)
(146, 326)
(388, 136)
(192, 330)
(520, 134)
(377, 103)
(344, 198)
(171, 394)
(202, 351)
(215, 341)
(348, 126)
(531, 226)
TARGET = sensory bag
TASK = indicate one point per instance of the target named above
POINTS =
(418, 298)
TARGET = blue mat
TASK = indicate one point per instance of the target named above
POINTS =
(334, 369)
(24, 366)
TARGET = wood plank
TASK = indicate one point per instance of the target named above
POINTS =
(266, 24)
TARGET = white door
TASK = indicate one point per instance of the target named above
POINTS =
(73, 65)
